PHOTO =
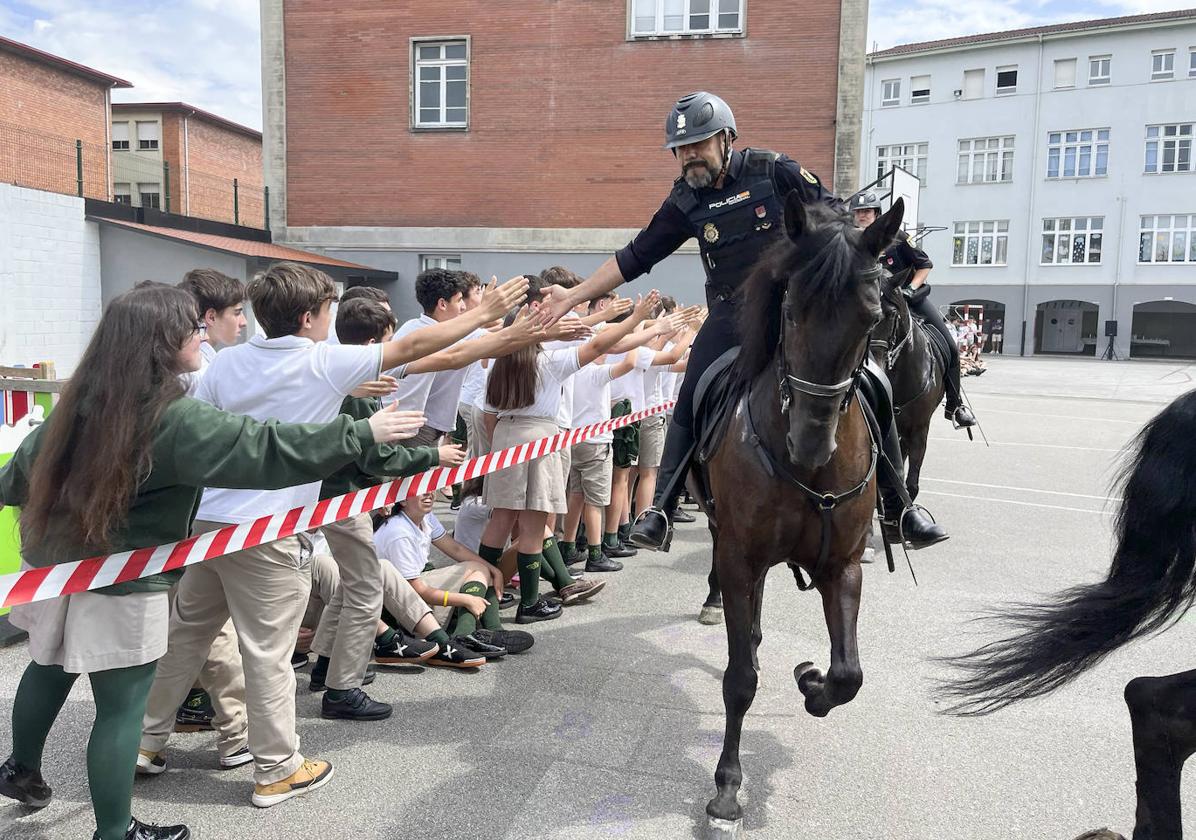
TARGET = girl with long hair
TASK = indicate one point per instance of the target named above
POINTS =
(120, 464)
(524, 391)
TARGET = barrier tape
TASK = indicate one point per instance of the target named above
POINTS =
(42, 584)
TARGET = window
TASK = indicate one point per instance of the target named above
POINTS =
(147, 136)
(442, 84)
(686, 17)
(451, 262)
(1006, 80)
(121, 194)
(985, 160)
(1162, 65)
(1072, 241)
(919, 89)
(1082, 153)
(150, 195)
(980, 243)
(973, 84)
(1169, 148)
(909, 156)
(1192, 62)
(891, 94)
(120, 137)
(1168, 239)
(1065, 73)
(1098, 69)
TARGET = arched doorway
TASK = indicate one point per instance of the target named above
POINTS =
(1066, 327)
(1163, 328)
(989, 316)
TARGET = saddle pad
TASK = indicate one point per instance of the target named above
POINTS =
(937, 343)
(714, 400)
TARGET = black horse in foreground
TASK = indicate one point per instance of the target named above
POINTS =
(793, 479)
(1151, 585)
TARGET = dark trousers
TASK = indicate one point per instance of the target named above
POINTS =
(929, 313)
(717, 335)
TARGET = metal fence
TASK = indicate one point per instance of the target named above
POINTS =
(90, 170)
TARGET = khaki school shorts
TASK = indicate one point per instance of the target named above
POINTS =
(590, 474)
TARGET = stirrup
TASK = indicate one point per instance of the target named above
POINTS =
(645, 521)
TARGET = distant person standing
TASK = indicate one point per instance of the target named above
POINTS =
(997, 333)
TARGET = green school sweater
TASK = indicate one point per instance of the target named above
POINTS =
(195, 446)
(381, 462)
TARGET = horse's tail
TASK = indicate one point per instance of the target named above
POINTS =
(1150, 585)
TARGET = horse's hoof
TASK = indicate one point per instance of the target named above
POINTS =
(1100, 834)
(717, 829)
(711, 615)
(809, 679)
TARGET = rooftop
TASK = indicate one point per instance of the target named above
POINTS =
(188, 110)
(1074, 27)
(59, 63)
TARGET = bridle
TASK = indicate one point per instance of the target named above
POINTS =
(893, 351)
(787, 383)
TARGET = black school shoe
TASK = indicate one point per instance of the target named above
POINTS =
(602, 563)
(577, 555)
(454, 655)
(196, 713)
(300, 660)
(356, 705)
(318, 677)
(508, 600)
(486, 649)
(680, 515)
(24, 785)
(515, 641)
(405, 650)
(619, 550)
(542, 610)
(148, 831)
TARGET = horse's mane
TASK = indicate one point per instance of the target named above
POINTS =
(817, 270)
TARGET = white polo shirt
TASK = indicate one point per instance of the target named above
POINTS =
(406, 545)
(445, 393)
(553, 367)
(291, 379)
(591, 398)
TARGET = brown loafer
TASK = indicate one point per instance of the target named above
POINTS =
(580, 590)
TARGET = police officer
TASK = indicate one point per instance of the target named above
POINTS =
(901, 256)
(731, 201)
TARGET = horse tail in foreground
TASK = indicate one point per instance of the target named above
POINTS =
(1150, 584)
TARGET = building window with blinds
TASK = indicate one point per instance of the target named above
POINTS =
(656, 18)
(441, 84)
(1072, 241)
(1078, 153)
(1168, 239)
(120, 137)
(147, 136)
(985, 160)
(909, 156)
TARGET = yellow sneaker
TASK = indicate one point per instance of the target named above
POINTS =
(150, 763)
(311, 774)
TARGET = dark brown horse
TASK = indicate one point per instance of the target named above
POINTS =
(793, 479)
(1150, 586)
(900, 345)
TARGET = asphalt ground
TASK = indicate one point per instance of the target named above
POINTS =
(611, 725)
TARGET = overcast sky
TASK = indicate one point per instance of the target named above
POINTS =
(206, 52)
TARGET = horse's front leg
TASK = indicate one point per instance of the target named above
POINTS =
(916, 453)
(740, 592)
(1163, 716)
(841, 606)
(712, 609)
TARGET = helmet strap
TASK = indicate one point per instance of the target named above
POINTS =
(726, 155)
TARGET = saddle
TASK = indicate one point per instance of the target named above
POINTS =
(714, 402)
(937, 343)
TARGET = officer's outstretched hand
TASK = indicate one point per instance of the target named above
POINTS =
(555, 304)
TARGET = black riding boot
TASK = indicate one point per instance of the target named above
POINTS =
(913, 523)
(653, 528)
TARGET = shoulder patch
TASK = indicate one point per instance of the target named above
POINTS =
(808, 175)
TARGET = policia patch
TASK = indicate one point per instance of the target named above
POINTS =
(809, 176)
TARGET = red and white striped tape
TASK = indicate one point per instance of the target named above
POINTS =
(32, 585)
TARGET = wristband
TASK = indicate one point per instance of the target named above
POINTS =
(446, 597)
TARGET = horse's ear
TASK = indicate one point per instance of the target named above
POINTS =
(878, 235)
(795, 216)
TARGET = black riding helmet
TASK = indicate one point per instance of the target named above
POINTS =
(865, 201)
(697, 116)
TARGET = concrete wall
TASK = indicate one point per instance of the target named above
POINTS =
(49, 278)
(128, 257)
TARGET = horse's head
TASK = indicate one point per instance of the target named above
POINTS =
(829, 308)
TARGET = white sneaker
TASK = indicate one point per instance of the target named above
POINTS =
(150, 763)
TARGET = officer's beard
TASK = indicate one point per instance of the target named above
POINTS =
(698, 174)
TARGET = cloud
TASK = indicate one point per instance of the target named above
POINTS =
(205, 52)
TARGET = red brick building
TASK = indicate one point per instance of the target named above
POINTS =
(473, 129)
(195, 155)
(48, 104)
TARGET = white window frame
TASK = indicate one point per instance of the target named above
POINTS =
(156, 191)
(1007, 90)
(989, 159)
(1075, 62)
(909, 156)
(714, 11)
(890, 93)
(919, 95)
(1159, 71)
(1076, 142)
(1151, 229)
(1094, 78)
(1173, 138)
(995, 232)
(127, 140)
(1062, 233)
(417, 63)
(1191, 62)
(155, 141)
(451, 262)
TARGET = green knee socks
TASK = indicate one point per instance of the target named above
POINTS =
(490, 618)
(529, 577)
(560, 572)
(490, 554)
(465, 622)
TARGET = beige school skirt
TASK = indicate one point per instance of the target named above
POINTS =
(533, 485)
(90, 632)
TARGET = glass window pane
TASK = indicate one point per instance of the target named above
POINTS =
(430, 53)
(429, 115)
(973, 249)
(1094, 246)
(1160, 246)
(698, 22)
(728, 21)
(1077, 248)
(1085, 167)
(1053, 163)
(957, 251)
(455, 72)
(645, 15)
(1064, 247)
(986, 250)
(455, 115)
(454, 96)
(429, 74)
(962, 175)
(1152, 157)
(1102, 160)
(1002, 245)
(1179, 245)
(429, 94)
(1048, 249)
(1054, 138)
(454, 50)
(674, 15)
(1069, 161)
(699, 14)
(1144, 247)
